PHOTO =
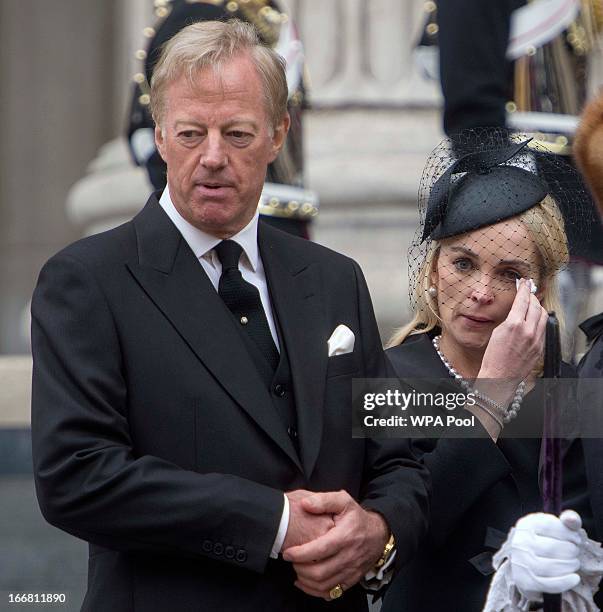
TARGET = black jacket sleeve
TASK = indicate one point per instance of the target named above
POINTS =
(396, 484)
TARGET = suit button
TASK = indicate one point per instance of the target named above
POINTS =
(279, 390)
(207, 546)
(241, 556)
(218, 548)
(292, 433)
(229, 552)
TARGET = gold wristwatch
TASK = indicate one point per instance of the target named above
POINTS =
(387, 551)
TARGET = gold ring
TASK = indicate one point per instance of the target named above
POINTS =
(336, 592)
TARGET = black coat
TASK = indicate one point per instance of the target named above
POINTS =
(480, 489)
(156, 439)
(591, 374)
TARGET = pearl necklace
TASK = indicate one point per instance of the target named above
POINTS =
(510, 413)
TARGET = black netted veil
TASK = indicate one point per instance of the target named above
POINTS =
(481, 192)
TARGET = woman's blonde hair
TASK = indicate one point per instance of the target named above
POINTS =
(545, 226)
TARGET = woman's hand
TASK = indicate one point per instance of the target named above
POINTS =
(517, 344)
(514, 350)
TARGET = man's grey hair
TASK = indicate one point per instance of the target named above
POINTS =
(213, 43)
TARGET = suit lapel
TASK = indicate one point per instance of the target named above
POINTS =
(296, 299)
(172, 277)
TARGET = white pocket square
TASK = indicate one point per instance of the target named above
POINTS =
(341, 341)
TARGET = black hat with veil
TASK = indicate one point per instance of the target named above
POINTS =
(501, 199)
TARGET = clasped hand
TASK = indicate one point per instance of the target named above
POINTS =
(331, 540)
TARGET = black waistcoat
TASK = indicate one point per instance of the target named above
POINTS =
(278, 382)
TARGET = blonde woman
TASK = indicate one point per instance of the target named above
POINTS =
(483, 278)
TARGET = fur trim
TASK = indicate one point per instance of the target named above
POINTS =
(588, 147)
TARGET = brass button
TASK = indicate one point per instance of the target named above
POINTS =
(510, 106)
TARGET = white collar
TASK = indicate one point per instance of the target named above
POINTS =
(201, 243)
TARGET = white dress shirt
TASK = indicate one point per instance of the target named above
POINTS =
(252, 269)
(202, 245)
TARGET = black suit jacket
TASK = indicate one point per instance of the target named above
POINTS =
(156, 439)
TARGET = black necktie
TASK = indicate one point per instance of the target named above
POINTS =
(243, 300)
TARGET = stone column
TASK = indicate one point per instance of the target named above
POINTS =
(112, 170)
(56, 72)
(360, 52)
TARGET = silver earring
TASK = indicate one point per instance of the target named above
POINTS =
(433, 291)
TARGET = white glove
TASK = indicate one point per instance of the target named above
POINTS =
(544, 553)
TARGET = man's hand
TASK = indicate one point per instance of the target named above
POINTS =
(304, 526)
(343, 555)
(544, 553)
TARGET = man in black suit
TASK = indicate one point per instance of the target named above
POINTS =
(192, 375)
